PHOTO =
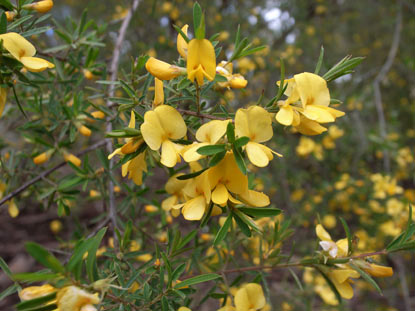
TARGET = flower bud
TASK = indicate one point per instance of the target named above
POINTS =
(40, 6)
(10, 15)
(33, 292)
(238, 82)
(69, 157)
(88, 75)
(84, 131)
(98, 114)
(55, 226)
(42, 158)
(162, 70)
(379, 271)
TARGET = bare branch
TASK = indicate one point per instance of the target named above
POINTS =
(111, 90)
(378, 79)
(46, 173)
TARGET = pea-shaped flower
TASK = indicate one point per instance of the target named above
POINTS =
(160, 127)
(250, 297)
(255, 123)
(23, 51)
(201, 60)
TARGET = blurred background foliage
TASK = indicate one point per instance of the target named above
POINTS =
(340, 173)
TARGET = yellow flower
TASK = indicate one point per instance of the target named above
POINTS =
(235, 81)
(85, 131)
(377, 270)
(208, 134)
(335, 249)
(136, 166)
(174, 187)
(181, 42)
(201, 60)
(33, 292)
(158, 93)
(311, 90)
(199, 195)
(10, 15)
(184, 309)
(225, 178)
(250, 297)
(72, 298)
(55, 226)
(160, 127)
(40, 6)
(255, 123)
(43, 157)
(341, 280)
(23, 51)
(69, 157)
(163, 70)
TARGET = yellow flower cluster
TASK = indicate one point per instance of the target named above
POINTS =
(69, 298)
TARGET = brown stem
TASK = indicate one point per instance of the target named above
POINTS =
(199, 115)
(47, 172)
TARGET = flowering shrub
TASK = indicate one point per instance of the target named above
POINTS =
(185, 220)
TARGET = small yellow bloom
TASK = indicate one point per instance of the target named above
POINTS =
(256, 124)
(307, 104)
(85, 131)
(201, 60)
(198, 193)
(69, 157)
(250, 297)
(3, 97)
(378, 271)
(341, 280)
(181, 42)
(42, 158)
(162, 70)
(40, 6)
(184, 309)
(235, 81)
(149, 208)
(208, 134)
(160, 127)
(89, 75)
(158, 93)
(12, 208)
(335, 249)
(23, 51)
(33, 292)
(10, 15)
(72, 298)
(55, 226)
(98, 114)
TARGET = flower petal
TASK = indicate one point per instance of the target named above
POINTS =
(220, 195)
(181, 43)
(212, 131)
(256, 154)
(285, 115)
(36, 64)
(194, 208)
(168, 154)
(322, 233)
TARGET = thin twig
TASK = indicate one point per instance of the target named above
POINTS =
(46, 173)
(378, 79)
(111, 91)
(200, 115)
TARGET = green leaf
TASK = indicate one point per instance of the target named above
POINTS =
(7, 4)
(197, 279)
(191, 175)
(260, 211)
(44, 257)
(92, 252)
(178, 271)
(198, 21)
(5, 268)
(178, 29)
(240, 142)
(367, 277)
(30, 304)
(69, 181)
(217, 158)
(223, 231)
(9, 291)
(239, 160)
(211, 149)
(242, 225)
(230, 132)
(343, 67)
(320, 61)
(348, 235)
(330, 283)
(247, 220)
(35, 276)
(3, 23)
